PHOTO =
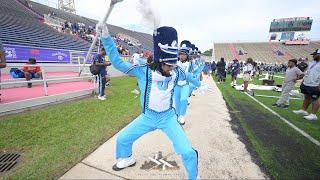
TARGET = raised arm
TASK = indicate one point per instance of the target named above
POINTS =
(116, 59)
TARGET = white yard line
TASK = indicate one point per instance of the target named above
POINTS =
(259, 95)
(316, 142)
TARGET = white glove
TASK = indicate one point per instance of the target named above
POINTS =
(102, 29)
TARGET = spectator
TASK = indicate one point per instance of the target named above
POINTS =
(255, 69)
(235, 69)
(221, 70)
(136, 58)
(247, 72)
(292, 75)
(213, 68)
(3, 62)
(99, 60)
(310, 87)
(32, 70)
(259, 68)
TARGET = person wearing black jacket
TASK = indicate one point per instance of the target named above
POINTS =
(221, 70)
(101, 62)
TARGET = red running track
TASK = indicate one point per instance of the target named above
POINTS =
(5, 77)
(23, 93)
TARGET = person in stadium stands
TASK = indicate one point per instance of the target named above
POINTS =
(156, 83)
(136, 59)
(221, 70)
(235, 70)
(100, 61)
(247, 73)
(292, 75)
(31, 70)
(3, 62)
(310, 87)
(303, 65)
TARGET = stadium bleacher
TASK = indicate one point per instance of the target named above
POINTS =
(265, 51)
(22, 27)
(144, 39)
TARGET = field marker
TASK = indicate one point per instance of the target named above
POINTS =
(281, 77)
(316, 142)
(260, 95)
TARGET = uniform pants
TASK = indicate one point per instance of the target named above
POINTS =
(181, 94)
(169, 125)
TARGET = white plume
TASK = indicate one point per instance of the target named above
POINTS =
(151, 18)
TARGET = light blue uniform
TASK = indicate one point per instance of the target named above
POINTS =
(157, 111)
(181, 91)
(197, 67)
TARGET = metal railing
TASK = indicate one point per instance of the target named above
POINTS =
(44, 79)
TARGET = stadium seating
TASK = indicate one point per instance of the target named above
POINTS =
(265, 51)
(23, 25)
(19, 26)
(144, 39)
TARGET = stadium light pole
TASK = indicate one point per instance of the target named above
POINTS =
(104, 21)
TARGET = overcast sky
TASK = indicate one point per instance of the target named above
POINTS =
(206, 21)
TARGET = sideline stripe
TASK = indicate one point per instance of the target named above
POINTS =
(260, 95)
(316, 142)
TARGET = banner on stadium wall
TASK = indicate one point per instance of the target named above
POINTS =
(23, 53)
(17, 53)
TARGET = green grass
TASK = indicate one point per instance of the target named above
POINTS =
(55, 138)
(312, 128)
(278, 81)
(283, 152)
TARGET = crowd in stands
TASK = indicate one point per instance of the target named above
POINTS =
(79, 29)
(122, 50)
(88, 34)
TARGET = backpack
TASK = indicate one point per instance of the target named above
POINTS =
(302, 66)
(95, 69)
(16, 73)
